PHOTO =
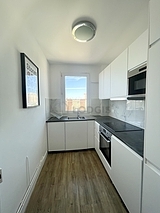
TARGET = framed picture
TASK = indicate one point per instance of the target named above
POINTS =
(30, 82)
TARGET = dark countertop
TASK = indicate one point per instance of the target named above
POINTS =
(133, 139)
(65, 119)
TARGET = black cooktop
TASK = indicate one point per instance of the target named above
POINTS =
(119, 126)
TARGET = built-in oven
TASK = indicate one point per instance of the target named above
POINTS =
(105, 143)
(137, 83)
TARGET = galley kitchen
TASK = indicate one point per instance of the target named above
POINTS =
(81, 132)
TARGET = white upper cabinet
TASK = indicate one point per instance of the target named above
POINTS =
(154, 20)
(101, 85)
(138, 50)
(119, 76)
(104, 83)
(113, 79)
(91, 143)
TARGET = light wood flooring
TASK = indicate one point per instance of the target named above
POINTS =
(74, 182)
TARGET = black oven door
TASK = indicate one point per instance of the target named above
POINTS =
(105, 147)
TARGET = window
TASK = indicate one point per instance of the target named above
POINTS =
(75, 93)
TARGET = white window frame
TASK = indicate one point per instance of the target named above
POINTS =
(63, 89)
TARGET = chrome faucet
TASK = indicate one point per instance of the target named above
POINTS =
(78, 114)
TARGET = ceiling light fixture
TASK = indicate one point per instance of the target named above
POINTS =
(83, 31)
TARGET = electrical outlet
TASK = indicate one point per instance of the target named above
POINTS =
(0, 175)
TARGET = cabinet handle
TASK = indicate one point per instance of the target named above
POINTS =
(108, 141)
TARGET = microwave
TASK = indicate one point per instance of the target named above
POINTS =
(137, 83)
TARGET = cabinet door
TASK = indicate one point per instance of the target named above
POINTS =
(96, 130)
(90, 134)
(154, 20)
(152, 130)
(138, 50)
(119, 76)
(76, 135)
(127, 174)
(101, 85)
(151, 191)
(96, 136)
(106, 82)
(56, 136)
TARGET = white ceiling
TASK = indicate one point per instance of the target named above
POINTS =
(118, 23)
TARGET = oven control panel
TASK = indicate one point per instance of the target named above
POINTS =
(105, 132)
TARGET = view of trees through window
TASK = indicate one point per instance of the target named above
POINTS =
(75, 93)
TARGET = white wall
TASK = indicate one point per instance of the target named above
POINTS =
(55, 71)
(22, 131)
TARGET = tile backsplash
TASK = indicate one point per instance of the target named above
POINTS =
(130, 111)
(57, 106)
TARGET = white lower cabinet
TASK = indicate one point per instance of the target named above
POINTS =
(127, 174)
(76, 135)
(56, 136)
(151, 189)
(70, 135)
(90, 125)
(96, 134)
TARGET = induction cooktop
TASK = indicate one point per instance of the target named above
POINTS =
(119, 126)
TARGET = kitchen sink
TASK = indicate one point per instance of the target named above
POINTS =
(77, 118)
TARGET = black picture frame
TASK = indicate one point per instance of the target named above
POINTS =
(30, 82)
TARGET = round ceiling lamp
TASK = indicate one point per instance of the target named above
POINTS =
(83, 31)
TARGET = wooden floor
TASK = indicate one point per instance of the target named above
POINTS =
(74, 182)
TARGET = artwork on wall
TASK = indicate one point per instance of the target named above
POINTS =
(30, 82)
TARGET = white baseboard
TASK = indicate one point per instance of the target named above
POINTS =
(28, 193)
